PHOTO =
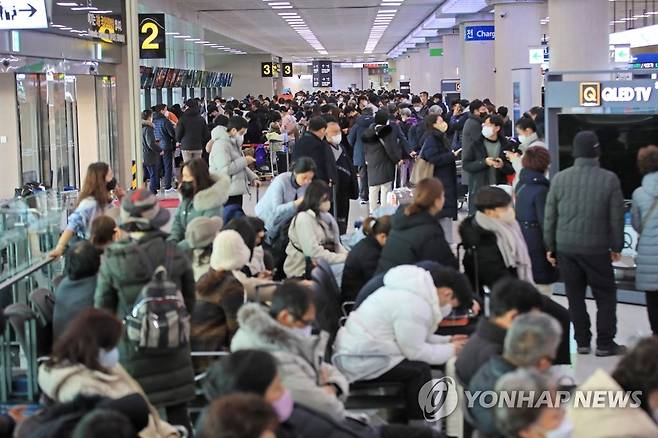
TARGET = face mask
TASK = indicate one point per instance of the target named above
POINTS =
(509, 216)
(336, 139)
(108, 359)
(187, 189)
(446, 310)
(325, 206)
(303, 332)
(655, 415)
(284, 406)
(487, 131)
(523, 139)
(418, 108)
(443, 126)
(166, 113)
(111, 185)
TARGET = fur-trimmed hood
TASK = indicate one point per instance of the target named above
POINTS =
(214, 196)
(260, 331)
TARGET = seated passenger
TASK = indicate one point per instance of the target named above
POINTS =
(85, 361)
(239, 415)
(104, 232)
(313, 234)
(286, 333)
(508, 299)
(202, 194)
(219, 296)
(416, 234)
(76, 291)
(390, 336)
(285, 194)
(362, 260)
(200, 234)
(531, 342)
(636, 371)
(257, 266)
(535, 417)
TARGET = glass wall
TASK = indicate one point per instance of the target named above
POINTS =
(108, 135)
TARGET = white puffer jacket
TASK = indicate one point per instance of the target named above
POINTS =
(396, 322)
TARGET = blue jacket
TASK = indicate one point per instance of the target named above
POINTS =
(164, 132)
(531, 192)
(437, 151)
(360, 126)
(646, 277)
(278, 203)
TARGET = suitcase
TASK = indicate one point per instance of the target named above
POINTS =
(281, 161)
(399, 195)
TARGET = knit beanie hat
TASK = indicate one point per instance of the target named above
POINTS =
(586, 145)
(229, 252)
(141, 207)
(201, 231)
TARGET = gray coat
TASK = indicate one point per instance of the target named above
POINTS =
(226, 158)
(584, 210)
(278, 202)
(646, 224)
(300, 359)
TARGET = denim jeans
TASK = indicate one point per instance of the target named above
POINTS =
(168, 161)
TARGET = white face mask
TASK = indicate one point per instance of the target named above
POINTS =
(325, 206)
(418, 108)
(446, 310)
(108, 359)
(509, 216)
(523, 139)
(336, 139)
(488, 131)
(303, 332)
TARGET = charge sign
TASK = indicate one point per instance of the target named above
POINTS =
(479, 33)
(23, 14)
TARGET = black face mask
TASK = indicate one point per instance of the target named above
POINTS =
(111, 185)
(187, 189)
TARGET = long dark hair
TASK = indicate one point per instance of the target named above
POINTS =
(427, 191)
(81, 342)
(316, 192)
(95, 185)
(199, 170)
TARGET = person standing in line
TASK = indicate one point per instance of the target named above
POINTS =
(584, 233)
(192, 132)
(528, 137)
(313, 145)
(346, 186)
(165, 135)
(150, 151)
(645, 222)
(470, 136)
(361, 125)
(507, 122)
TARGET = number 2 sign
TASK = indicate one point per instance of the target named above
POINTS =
(152, 42)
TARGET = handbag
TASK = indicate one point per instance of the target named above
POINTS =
(422, 169)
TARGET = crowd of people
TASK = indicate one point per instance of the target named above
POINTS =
(230, 300)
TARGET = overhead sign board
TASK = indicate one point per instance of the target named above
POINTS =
(23, 14)
(479, 33)
(323, 74)
(436, 52)
(108, 28)
(287, 69)
(536, 55)
(266, 69)
(594, 94)
(152, 41)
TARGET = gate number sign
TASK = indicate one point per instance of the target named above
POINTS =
(152, 42)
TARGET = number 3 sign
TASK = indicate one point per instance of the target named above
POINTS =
(152, 42)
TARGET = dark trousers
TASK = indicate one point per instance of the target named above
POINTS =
(234, 200)
(652, 310)
(595, 271)
(550, 307)
(413, 375)
(168, 163)
(177, 415)
(363, 183)
(154, 177)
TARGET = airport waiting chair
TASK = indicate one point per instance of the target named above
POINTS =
(23, 322)
(43, 305)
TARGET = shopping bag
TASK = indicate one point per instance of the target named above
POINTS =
(422, 169)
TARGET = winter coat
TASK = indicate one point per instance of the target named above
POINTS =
(309, 145)
(227, 159)
(485, 380)
(214, 318)
(192, 131)
(609, 422)
(487, 341)
(360, 127)
(646, 275)
(417, 135)
(531, 192)
(471, 133)
(532, 141)
(381, 332)
(207, 203)
(473, 161)
(584, 211)
(164, 132)
(382, 154)
(71, 297)
(63, 384)
(278, 202)
(301, 359)
(413, 239)
(360, 266)
(150, 149)
(436, 150)
(486, 259)
(307, 235)
(167, 377)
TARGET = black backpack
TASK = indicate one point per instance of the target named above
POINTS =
(278, 243)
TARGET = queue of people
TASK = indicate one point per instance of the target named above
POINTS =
(244, 288)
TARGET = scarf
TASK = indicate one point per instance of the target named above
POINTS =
(511, 244)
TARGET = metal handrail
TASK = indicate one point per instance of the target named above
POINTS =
(26, 272)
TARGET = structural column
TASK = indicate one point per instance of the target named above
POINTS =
(579, 34)
(518, 29)
(477, 71)
(451, 56)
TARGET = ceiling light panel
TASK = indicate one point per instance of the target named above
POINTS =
(380, 25)
(463, 6)
(298, 24)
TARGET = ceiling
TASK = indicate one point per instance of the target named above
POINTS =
(342, 27)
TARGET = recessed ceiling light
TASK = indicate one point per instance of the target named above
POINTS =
(279, 4)
(182, 36)
(171, 33)
(85, 8)
(103, 12)
(287, 13)
(56, 25)
(281, 7)
(67, 4)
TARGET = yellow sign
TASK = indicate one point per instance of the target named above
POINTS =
(590, 94)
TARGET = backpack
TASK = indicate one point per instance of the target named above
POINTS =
(277, 246)
(159, 319)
